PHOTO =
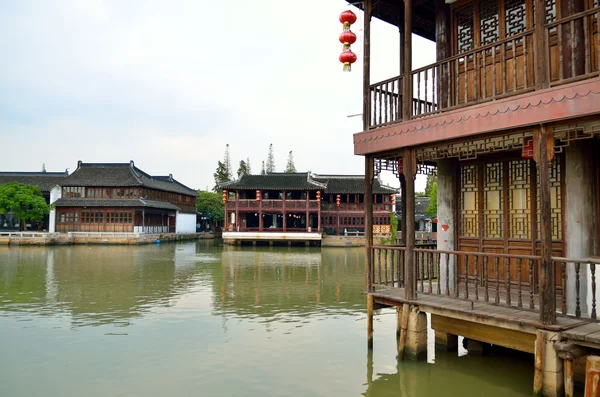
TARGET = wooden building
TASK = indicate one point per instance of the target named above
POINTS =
(45, 181)
(303, 202)
(509, 120)
(119, 197)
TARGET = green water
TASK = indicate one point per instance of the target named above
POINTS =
(199, 319)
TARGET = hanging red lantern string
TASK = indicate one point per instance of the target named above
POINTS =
(347, 38)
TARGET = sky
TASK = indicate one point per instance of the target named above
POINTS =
(169, 83)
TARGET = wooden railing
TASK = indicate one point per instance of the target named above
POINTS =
(493, 71)
(493, 278)
(273, 204)
(356, 207)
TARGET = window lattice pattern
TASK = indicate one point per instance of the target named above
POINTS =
(492, 201)
(555, 200)
(550, 11)
(469, 203)
(515, 17)
(489, 21)
(464, 29)
(519, 199)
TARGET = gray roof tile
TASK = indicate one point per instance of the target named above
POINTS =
(44, 180)
(129, 203)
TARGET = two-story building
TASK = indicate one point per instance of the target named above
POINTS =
(119, 197)
(509, 119)
(277, 204)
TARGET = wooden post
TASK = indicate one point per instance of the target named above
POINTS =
(403, 331)
(284, 212)
(410, 281)
(369, 175)
(403, 208)
(543, 153)
(260, 221)
(307, 210)
(367, 5)
(398, 323)
(237, 211)
(538, 377)
(370, 308)
(442, 42)
(407, 91)
(225, 221)
(541, 63)
(569, 374)
(592, 376)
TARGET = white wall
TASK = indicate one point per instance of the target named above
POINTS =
(55, 194)
(185, 223)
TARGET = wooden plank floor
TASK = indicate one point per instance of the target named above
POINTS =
(478, 311)
(588, 334)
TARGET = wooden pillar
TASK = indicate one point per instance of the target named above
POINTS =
(237, 210)
(368, 218)
(573, 50)
(143, 220)
(337, 217)
(319, 218)
(260, 221)
(370, 308)
(543, 153)
(592, 376)
(442, 43)
(284, 221)
(403, 320)
(407, 91)
(367, 5)
(403, 209)
(569, 378)
(225, 221)
(541, 63)
(410, 282)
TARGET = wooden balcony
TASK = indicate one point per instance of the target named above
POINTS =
(359, 207)
(277, 205)
(491, 72)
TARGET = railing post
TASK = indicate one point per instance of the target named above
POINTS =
(543, 153)
(367, 65)
(410, 290)
(368, 218)
(407, 88)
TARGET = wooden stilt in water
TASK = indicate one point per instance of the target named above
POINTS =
(569, 373)
(403, 331)
(592, 376)
(398, 323)
(538, 379)
(370, 304)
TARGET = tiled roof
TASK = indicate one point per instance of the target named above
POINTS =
(129, 203)
(275, 181)
(421, 204)
(351, 184)
(44, 180)
(123, 175)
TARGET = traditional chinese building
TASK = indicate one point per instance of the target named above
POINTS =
(45, 181)
(280, 204)
(509, 120)
(119, 197)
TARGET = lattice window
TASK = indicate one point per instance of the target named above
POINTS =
(519, 199)
(555, 200)
(464, 29)
(515, 17)
(469, 202)
(489, 21)
(550, 11)
(492, 201)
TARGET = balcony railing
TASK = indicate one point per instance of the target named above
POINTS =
(356, 207)
(493, 71)
(273, 204)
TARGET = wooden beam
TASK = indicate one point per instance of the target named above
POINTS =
(370, 309)
(543, 153)
(368, 219)
(367, 7)
(410, 280)
(541, 61)
(407, 83)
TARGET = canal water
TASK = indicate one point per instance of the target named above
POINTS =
(201, 319)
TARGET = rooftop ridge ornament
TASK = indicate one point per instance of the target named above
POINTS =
(347, 38)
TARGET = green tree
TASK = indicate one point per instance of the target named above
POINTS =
(433, 196)
(227, 162)
(211, 205)
(270, 160)
(262, 170)
(431, 179)
(25, 201)
(248, 166)
(243, 169)
(290, 167)
(221, 176)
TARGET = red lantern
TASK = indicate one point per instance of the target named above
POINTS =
(347, 38)
(393, 199)
(318, 196)
(258, 195)
(337, 200)
(347, 58)
(224, 196)
(347, 17)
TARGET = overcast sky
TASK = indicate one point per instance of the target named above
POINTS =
(169, 83)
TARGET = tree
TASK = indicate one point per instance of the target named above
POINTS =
(248, 166)
(243, 169)
(210, 205)
(432, 208)
(290, 167)
(431, 179)
(227, 162)
(262, 171)
(25, 201)
(270, 160)
(221, 176)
